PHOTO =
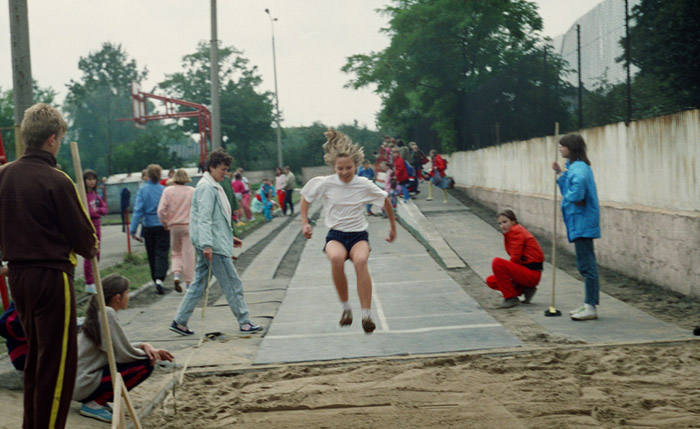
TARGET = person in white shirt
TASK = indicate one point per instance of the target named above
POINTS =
(344, 196)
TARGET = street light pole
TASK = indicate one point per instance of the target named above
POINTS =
(214, 75)
(277, 97)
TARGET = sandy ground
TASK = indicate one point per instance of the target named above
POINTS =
(564, 387)
(554, 382)
(549, 382)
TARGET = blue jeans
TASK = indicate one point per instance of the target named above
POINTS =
(404, 189)
(587, 266)
(226, 274)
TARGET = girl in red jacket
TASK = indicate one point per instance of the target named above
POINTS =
(520, 275)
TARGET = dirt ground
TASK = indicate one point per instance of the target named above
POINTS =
(549, 382)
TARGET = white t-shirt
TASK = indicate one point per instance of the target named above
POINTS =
(344, 203)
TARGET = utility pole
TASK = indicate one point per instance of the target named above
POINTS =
(214, 60)
(627, 63)
(21, 66)
(580, 81)
(280, 162)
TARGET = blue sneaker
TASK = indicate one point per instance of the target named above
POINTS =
(101, 414)
(250, 328)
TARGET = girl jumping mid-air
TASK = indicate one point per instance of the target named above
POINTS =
(344, 196)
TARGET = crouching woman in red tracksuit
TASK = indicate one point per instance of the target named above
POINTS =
(520, 275)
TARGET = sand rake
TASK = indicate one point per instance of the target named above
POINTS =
(552, 310)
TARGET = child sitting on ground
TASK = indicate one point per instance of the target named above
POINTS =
(520, 275)
(93, 385)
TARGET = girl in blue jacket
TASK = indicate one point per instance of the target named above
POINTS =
(581, 213)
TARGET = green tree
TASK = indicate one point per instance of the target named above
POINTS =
(246, 113)
(7, 108)
(459, 69)
(97, 100)
(665, 45)
(150, 147)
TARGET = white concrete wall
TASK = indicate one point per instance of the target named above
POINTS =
(646, 176)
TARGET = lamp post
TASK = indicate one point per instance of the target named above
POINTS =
(277, 97)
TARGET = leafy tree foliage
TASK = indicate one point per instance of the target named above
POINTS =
(7, 109)
(665, 45)
(149, 147)
(464, 69)
(96, 101)
(303, 145)
(246, 113)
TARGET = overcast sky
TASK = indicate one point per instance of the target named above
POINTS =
(312, 37)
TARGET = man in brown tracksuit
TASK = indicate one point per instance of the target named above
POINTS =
(42, 226)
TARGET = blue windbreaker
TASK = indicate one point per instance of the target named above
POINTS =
(579, 203)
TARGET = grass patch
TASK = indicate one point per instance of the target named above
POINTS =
(134, 267)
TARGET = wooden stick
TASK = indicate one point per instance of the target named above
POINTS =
(554, 226)
(118, 410)
(130, 406)
(104, 321)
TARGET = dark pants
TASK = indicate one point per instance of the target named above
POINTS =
(587, 266)
(45, 301)
(124, 225)
(288, 201)
(157, 241)
(133, 374)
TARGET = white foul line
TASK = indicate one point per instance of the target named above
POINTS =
(401, 331)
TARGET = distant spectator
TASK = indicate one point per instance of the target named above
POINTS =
(289, 191)
(174, 214)
(157, 239)
(125, 201)
(96, 208)
(280, 182)
(165, 182)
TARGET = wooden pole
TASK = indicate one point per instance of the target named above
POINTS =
(118, 389)
(554, 217)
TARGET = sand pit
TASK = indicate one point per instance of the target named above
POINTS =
(568, 386)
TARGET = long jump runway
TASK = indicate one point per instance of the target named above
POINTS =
(416, 305)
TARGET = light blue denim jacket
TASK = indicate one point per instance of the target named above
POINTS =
(209, 225)
(146, 205)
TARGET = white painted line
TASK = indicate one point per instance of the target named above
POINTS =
(402, 331)
(380, 311)
(416, 255)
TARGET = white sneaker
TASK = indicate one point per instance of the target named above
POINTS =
(589, 313)
(576, 310)
(91, 289)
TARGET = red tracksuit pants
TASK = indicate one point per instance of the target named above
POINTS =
(510, 278)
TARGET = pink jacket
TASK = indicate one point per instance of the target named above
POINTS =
(174, 205)
(97, 207)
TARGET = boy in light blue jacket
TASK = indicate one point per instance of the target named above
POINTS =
(213, 240)
(581, 213)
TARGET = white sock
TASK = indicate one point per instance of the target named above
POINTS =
(346, 305)
(159, 282)
(93, 405)
(589, 307)
(366, 313)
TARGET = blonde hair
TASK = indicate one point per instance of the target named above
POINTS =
(181, 177)
(40, 122)
(337, 145)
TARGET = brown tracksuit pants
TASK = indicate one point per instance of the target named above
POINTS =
(45, 301)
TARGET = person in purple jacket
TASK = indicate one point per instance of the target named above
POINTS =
(97, 208)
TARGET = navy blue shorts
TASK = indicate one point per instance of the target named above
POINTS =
(347, 239)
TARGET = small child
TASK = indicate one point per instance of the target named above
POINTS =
(97, 208)
(135, 361)
(344, 196)
(394, 191)
(520, 275)
(368, 172)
